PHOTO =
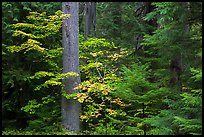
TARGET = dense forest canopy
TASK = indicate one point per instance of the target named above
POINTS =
(126, 68)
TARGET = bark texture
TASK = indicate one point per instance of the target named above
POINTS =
(90, 19)
(70, 108)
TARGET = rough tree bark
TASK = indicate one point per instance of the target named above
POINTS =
(70, 108)
(90, 19)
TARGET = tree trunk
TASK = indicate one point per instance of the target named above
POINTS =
(142, 9)
(90, 19)
(70, 108)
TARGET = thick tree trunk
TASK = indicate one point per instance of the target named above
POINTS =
(90, 19)
(70, 108)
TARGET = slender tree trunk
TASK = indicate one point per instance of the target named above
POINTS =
(87, 20)
(93, 16)
(81, 16)
(70, 108)
(90, 19)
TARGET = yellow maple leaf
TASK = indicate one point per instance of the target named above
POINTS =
(118, 101)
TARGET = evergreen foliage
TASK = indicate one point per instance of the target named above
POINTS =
(129, 85)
